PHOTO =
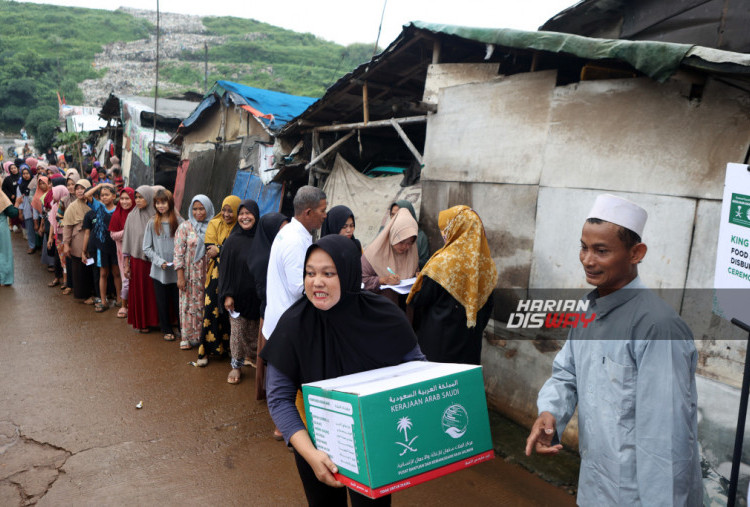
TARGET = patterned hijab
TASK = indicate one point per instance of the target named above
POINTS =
(380, 253)
(464, 266)
(200, 227)
(58, 193)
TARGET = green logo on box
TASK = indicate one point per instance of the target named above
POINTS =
(739, 213)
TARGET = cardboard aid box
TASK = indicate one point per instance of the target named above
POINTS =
(395, 427)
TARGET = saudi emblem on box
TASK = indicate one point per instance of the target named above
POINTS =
(393, 428)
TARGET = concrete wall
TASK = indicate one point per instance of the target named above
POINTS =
(530, 157)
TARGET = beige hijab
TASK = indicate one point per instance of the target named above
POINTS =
(380, 253)
(77, 209)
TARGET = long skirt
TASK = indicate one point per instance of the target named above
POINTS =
(48, 258)
(83, 279)
(6, 252)
(125, 283)
(215, 332)
(243, 341)
(142, 312)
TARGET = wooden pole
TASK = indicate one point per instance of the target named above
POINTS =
(413, 149)
(313, 155)
(372, 124)
(365, 105)
(330, 149)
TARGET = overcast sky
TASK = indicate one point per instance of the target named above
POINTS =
(347, 21)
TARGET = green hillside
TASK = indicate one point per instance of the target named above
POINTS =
(266, 56)
(46, 48)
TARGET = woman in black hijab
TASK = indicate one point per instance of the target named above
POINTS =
(269, 226)
(336, 329)
(237, 294)
(340, 220)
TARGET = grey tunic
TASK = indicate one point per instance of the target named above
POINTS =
(632, 374)
(159, 249)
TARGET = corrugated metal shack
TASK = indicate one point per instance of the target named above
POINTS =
(233, 129)
(527, 128)
(147, 159)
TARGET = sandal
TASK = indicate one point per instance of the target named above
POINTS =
(100, 307)
(54, 283)
(122, 313)
(232, 379)
(185, 345)
(169, 337)
(145, 330)
(90, 301)
(66, 291)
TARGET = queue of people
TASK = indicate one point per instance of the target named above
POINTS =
(260, 291)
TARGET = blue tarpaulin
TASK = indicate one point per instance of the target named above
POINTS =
(248, 186)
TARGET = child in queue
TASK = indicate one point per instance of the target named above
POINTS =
(125, 205)
(158, 246)
(103, 249)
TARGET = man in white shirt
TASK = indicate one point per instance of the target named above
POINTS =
(285, 280)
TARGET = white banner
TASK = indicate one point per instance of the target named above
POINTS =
(732, 275)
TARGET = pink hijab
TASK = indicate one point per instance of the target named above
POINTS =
(58, 192)
(36, 201)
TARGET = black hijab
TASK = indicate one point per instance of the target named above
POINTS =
(23, 185)
(268, 228)
(335, 221)
(363, 331)
(10, 184)
(235, 279)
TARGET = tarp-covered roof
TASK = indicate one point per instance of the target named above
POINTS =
(396, 77)
(274, 109)
(658, 60)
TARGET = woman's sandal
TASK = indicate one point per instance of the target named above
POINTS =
(122, 313)
(66, 291)
(145, 330)
(100, 307)
(185, 345)
(169, 337)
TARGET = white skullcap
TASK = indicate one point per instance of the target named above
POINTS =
(619, 211)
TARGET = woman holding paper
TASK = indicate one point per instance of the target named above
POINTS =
(452, 295)
(73, 235)
(158, 247)
(237, 293)
(336, 329)
(190, 264)
(392, 256)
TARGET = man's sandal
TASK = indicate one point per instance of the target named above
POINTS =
(100, 307)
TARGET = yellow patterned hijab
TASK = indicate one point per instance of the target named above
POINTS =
(464, 266)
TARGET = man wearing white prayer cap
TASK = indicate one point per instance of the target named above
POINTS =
(631, 372)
